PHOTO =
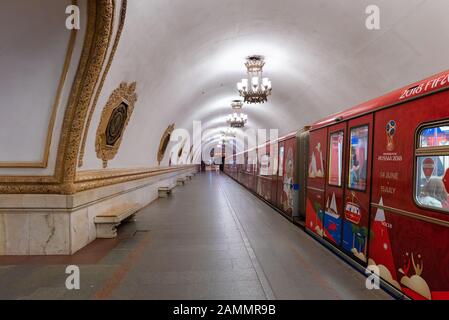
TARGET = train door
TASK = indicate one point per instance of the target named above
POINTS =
(358, 187)
(265, 173)
(274, 158)
(252, 156)
(279, 178)
(256, 170)
(264, 179)
(302, 152)
(287, 186)
(249, 169)
(245, 169)
(316, 181)
(334, 199)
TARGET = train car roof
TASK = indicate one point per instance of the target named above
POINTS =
(418, 89)
(284, 137)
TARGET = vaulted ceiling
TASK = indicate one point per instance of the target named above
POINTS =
(186, 57)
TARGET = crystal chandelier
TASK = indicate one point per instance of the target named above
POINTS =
(229, 132)
(255, 88)
(237, 119)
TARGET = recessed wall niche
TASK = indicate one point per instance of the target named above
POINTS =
(114, 119)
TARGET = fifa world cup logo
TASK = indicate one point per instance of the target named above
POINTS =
(391, 130)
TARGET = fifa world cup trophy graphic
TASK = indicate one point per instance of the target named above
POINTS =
(391, 130)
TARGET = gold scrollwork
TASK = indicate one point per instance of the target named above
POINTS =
(103, 79)
(114, 119)
(164, 142)
(181, 149)
(191, 154)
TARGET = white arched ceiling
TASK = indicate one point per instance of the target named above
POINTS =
(187, 56)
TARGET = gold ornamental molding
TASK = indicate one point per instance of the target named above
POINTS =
(87, 180)
(97, 38)
(114, 119)
(118, 34)
(181, 149)
(92, 60)
(191, 154)
(164, 142)
(56, 102)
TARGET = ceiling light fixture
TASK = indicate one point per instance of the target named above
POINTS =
(229, 132)
(237, 119)
(255, 88)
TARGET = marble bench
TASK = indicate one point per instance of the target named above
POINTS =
(181, 181)
(164, 192)
(106, 223)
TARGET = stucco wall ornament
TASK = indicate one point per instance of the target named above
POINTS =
(114, 119)
(180, 151)
(164, 142)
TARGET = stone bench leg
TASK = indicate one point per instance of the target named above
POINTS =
(180, 182)
(164, 193)
(106, 230)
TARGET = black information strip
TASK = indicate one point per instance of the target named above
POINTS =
(219, 309)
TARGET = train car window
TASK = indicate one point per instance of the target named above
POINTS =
(358, 158)
(434, 137)
(336, 158)
(432, 168)
(264, 165)
(431, 184)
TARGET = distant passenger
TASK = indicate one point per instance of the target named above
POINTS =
(354, 171)
(433, 194)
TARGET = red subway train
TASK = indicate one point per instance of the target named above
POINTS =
(371, 182)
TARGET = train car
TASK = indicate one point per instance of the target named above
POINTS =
(230, 167)
(276, 172)
(378, 183)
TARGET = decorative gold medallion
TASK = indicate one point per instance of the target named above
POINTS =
(114, 119)
(164, 142)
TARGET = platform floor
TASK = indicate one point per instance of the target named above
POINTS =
(211, 239)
